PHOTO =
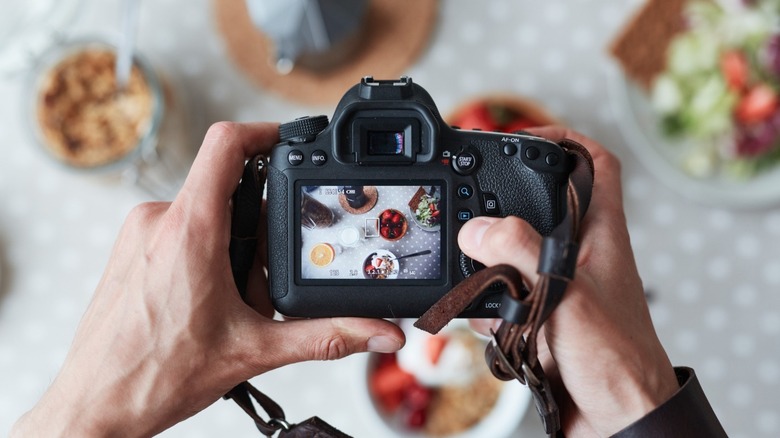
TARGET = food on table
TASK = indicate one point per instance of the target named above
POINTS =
(315, 214)
(640, 47)
(380, 266)
(436, 385)
(427, 212)
(425, 209)
(500, 114)
(84, 119)
(392, 224)
(322, 254)
(718, 88)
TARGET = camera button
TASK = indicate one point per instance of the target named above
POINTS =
(319, 157)
(490, 204)
(510, 149)
(295, 157)
(464, 215)
(552, 159)
(464, 163)
(532, 153)
(465, 191)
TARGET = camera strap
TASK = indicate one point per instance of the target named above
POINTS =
(512, 353)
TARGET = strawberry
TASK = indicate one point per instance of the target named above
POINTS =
(756, 105)
(416, 419)
(735, 69)
(519, 124)
(388, 384)
(434, 347)
(397, 218)
(477, 117)
(387, 215)
(417, 397)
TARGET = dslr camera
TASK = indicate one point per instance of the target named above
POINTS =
(364, 210)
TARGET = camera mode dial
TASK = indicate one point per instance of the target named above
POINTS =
(302, 130)
(469, 267)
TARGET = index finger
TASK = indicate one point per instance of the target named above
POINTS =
(218, 167)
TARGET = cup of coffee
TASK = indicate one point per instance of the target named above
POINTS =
(355, 195)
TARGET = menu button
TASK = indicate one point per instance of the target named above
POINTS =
(295, 157)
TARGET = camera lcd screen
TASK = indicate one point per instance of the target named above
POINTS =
(386, 142)
(371, 232)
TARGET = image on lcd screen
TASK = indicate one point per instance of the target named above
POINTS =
(371, 232)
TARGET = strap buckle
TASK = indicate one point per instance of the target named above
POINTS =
(545, 404)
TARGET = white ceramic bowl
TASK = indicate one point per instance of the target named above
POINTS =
(661, 156)
(502, 421)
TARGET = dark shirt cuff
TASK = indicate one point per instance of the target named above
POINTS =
(686, 414)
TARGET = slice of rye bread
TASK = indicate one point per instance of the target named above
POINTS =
(641, 46)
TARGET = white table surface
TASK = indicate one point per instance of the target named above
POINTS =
(714, 273)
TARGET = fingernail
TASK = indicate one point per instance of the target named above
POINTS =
(470, 237)
(383, 344)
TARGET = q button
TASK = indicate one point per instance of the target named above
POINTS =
(465, 191)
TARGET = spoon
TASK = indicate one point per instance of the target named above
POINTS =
(427, 251)
(124, 56)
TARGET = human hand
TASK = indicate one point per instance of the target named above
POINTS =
(166, 333)
(600, 341)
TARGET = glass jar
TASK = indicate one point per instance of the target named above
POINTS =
(77, 116)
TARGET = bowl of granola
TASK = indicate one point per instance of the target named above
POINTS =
(439, 386)
(82, 118)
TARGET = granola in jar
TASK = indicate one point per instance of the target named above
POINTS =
(84, 119)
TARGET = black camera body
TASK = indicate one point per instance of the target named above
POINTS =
(364, 211)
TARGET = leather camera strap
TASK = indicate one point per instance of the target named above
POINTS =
(513, 351)
(512, 354)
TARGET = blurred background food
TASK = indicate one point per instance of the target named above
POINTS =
(84, 118)
(711, 72)
(438, 386)
(712, 264)
(501, 113)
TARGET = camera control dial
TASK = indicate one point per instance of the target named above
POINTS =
(469, 267)
(302, 130)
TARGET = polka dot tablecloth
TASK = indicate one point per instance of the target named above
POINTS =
(712, 274)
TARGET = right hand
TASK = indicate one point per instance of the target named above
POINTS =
(605, 361)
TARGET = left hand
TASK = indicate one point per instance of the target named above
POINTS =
(166, 333)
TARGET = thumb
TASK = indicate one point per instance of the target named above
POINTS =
(280, 343)
(509, 240)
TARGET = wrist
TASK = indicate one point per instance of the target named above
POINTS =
(53, 417)
(63, 413)
(636, 387)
